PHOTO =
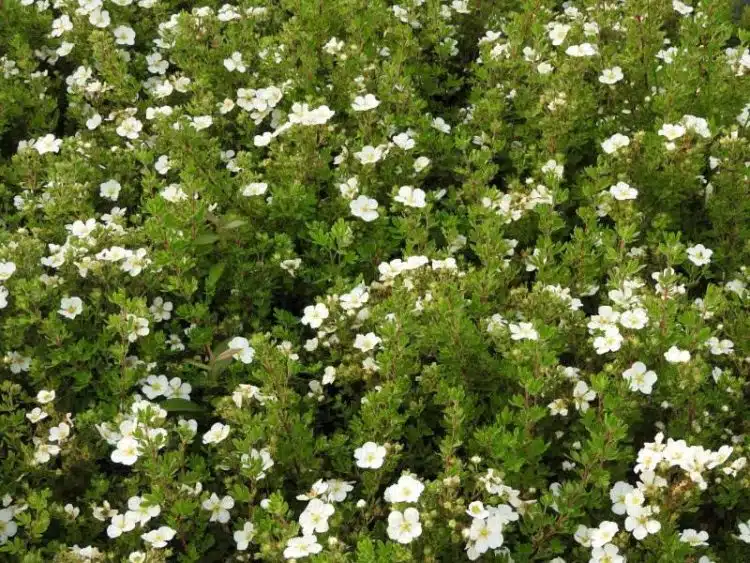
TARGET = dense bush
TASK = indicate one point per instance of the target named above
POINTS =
(348, 280)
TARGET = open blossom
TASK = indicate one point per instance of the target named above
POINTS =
(370, 154)
(174, 193)
(406, 489)
(603, 534)
(110, 189)
(218, 507)
(365, 103)
(315, 315)
(366, 342)
(124, 35)
(160, 537)
(699, 255)
(582, 50)
(640, 378)
(370, 455)
(611, 75)
(582, 396)
(48, 143)
(411, 197)
(130, 128)
(694, 537)
(254, 188)
(611, 341)
(314, 519)
(127, 451)
(404, 527)
(523, 331)
(676, 356)
(6, 270)
(671, 131)
(217, 433)
(299, 547)
(241, 349)
(365, 208)
(244, 536)
(622, 191)
(71, 307)
(615, 143)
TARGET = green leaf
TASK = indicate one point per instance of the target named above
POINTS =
(181, 405)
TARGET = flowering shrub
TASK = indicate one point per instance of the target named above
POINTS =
(362, 281)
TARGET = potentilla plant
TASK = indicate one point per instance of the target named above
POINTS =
(429, 281)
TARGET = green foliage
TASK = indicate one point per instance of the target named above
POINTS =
(358, 281)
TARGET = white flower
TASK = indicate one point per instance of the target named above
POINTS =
(699, 255)
(615, 143)
(611, 75)
(44, 396)
(48, 143)
(582, 396)
(622, 191)
(369, 154)
(366, 342)
(244, 536)
(242, 350)
(404, 527)
(173, 193)
(6, 270)
(557, 33)
(334, 46)
(254, 188)
(640, 378)
(365, 208)
(676, 356)
(59, 433)
(120, 524)
(440, 124)
(129, 128)
(411, 197)
(8, 527)
(70, 307)
(124, 35)
(618, 494)
(421, 163)
(219, 507)
(161, 310)
(365, 103)
(110, 189)
(160, 537)
(693, 537)
(744, 531)
(299, 547)
(217, 433)
(607, 553)
(314, 315)
(235, 63)
(403, 141)
(682, 8)
(611, 341)
(315, 517)
(603, 534)
(671, 131)
(640, 522)
(142, 510)
(370, 456)
(406, 489)
(635, 319)
(35, 415)
(582, 50)
(523, 331)
(127, 451)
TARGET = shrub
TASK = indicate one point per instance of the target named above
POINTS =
(358, 281)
